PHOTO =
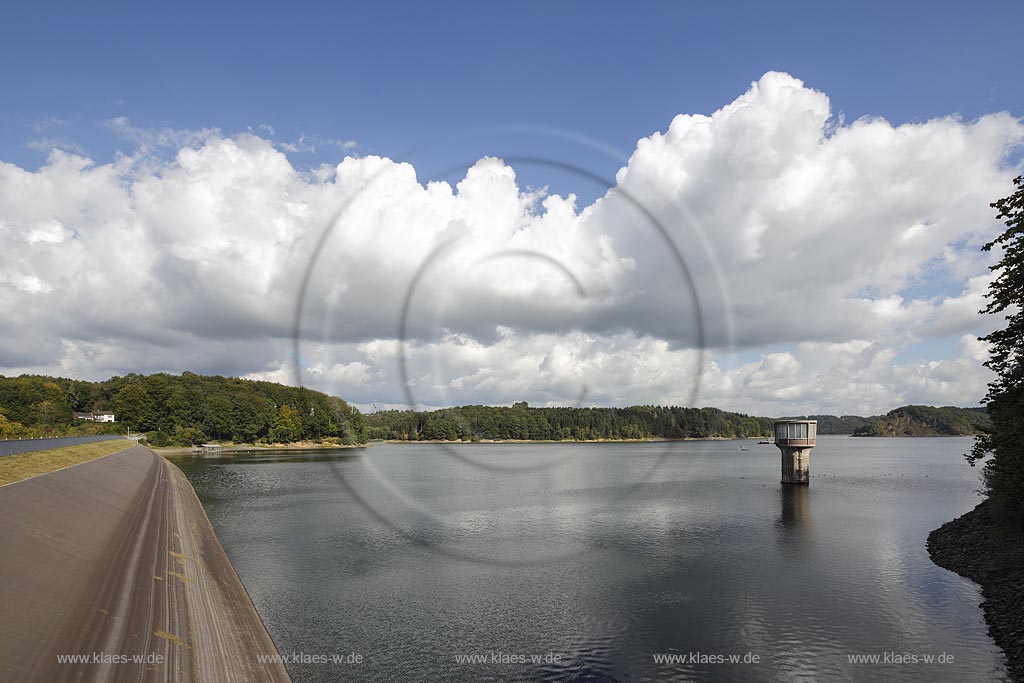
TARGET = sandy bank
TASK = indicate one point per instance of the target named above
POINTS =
(116, 558)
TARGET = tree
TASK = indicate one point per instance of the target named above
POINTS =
(288, 425)
(1004, 472)
(135, 407)
(8, 429)
(47, 412)
(217, 418)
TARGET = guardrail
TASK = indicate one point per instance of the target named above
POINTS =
(15, 446)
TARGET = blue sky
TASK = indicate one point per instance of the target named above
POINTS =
(161, 99)
(395, 76)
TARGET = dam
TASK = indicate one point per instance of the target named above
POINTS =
(111, 571)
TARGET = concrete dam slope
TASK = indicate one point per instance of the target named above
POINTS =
(111, 571)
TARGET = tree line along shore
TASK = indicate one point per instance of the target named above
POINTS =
(188, 409)
(638, 423)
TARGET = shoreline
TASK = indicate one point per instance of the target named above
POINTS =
(992, 556)
(227, 449)
(256, 448)
(490, 442)
(687, 439)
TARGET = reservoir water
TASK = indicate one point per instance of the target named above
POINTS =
(604, 562)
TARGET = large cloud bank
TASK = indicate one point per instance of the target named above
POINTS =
(834, 267)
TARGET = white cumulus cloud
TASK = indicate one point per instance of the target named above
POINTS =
(819, 250)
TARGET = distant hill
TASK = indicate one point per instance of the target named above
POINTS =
(928, 421)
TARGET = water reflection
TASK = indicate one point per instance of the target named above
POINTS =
(708, 558)
(263, 457)
(796, 508)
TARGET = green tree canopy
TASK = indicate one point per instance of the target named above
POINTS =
(177, 409)
(135, 407)
(287, 426)
(1004, 472)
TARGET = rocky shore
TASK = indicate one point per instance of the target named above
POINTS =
(992, 556)
(230, 448)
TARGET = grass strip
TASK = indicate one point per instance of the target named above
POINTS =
(25, 465)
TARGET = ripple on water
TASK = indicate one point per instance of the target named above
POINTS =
(706, 553)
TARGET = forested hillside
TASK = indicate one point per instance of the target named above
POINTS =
(472, 423)
(928, 421)
(176, 409)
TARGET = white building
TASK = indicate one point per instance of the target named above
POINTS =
(99, 416)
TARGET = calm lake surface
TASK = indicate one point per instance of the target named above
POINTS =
(607, 556)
